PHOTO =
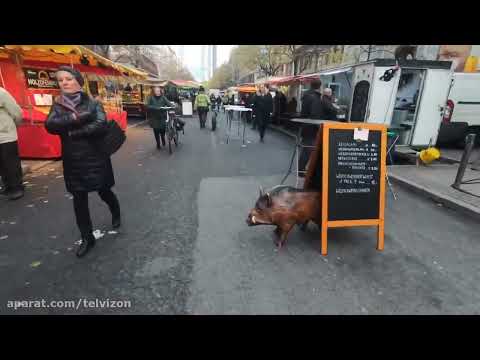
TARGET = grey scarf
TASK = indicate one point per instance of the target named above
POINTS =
(71, 101)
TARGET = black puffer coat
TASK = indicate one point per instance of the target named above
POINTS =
(85, 168)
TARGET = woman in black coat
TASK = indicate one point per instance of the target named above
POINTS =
(80, 121)
(264, 110)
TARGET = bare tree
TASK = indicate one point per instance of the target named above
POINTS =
(134, 54)
(270, 59)
(296, 53)
(103, 50)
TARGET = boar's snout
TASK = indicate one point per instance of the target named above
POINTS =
(252, 218)
(249, 219)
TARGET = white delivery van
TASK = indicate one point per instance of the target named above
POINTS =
(462, 109)
(410, 103)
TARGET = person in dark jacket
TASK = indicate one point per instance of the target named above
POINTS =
(311, 101)
(156, 116)
(328, 109)
(311, 109)
(213, 102)
(265, 110)
(280, 105)
(257, 98)
(80, 121)
(292, 106)
(249, 104)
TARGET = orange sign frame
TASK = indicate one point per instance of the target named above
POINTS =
(321, 153)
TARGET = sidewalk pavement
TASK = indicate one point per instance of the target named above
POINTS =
(434, 181)
(29, 166)
(455, 155)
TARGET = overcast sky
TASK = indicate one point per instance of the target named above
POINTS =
(192, 57)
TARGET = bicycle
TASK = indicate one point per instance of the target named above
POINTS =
(172, 127)
(214, 117)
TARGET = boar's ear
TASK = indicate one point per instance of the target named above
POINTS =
(261, 191)
(269, 200)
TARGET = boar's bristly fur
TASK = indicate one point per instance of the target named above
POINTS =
(285, 206)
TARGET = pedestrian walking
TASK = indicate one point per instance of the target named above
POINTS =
(225, 101)
(315, 105)
(202, 104)
(157, 117)
(279, 105)
(10, 166)
(311, 109)
(292, 106)
(80, 121)
(255, 106)
(212, 101)
(265, 110)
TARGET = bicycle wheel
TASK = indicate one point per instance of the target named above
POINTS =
(214, 121)
(175, 137)
(170, 138)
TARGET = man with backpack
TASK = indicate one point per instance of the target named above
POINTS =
(202, 103)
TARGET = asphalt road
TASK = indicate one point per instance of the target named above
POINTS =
(184, 247)
(149, 262)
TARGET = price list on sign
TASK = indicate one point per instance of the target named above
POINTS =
(357, 164)
(354, 175)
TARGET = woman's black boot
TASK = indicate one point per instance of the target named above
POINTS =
(88, 242)
(116, 221)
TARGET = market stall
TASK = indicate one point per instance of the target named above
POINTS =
(182, 92)
(28, 73)
(177, 89)
(136, 92)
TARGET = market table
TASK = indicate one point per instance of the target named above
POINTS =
(299, 144)
(230, 118)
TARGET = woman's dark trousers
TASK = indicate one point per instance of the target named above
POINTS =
(10, 166)
(82, 212)
(159, 133)
(262, 125)
(202, 115)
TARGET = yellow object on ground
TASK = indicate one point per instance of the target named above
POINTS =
(471, 64)
(429, 155)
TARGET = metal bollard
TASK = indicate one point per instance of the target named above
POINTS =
(469, 143)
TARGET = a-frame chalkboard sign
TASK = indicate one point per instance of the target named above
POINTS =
(348, 166)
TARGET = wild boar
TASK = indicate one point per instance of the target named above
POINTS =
(285, 206)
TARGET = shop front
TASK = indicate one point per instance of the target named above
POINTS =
(28, 73)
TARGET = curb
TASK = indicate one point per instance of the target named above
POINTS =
(26, 169)
(137, 124)
(448, 201)
(283, 131)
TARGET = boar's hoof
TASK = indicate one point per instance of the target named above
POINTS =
(278, 243)
(277, 231)
(303, 227)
